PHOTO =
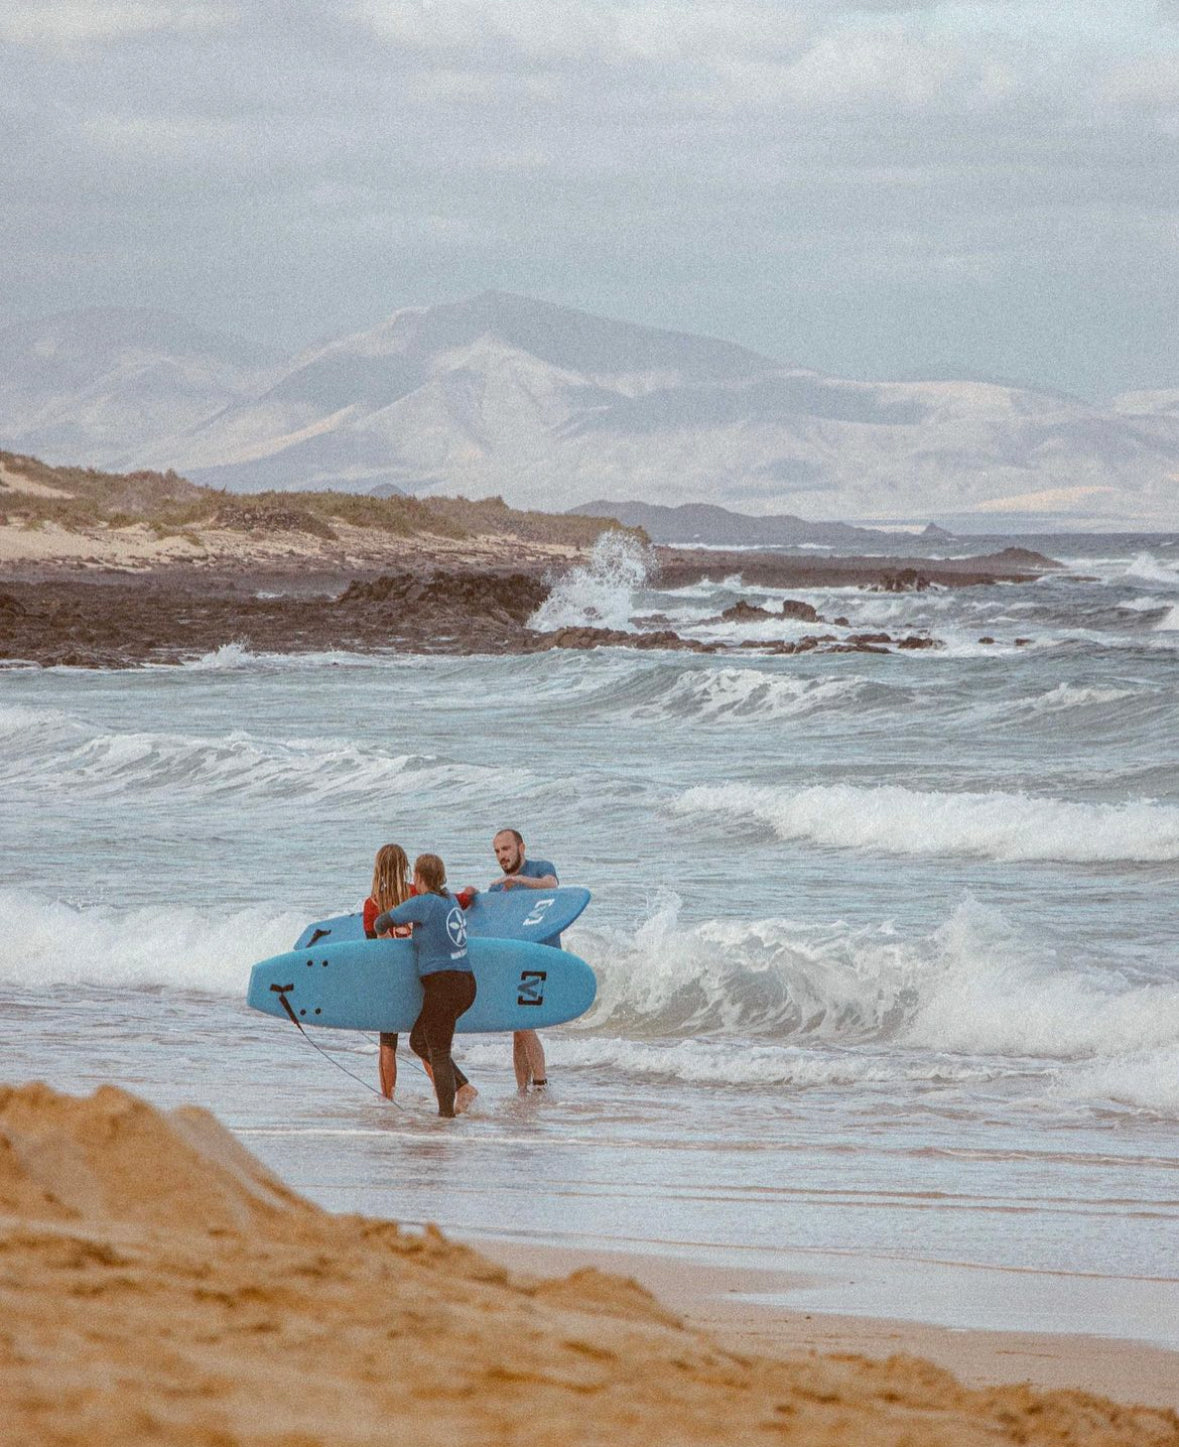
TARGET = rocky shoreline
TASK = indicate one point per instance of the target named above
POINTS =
(119, 620)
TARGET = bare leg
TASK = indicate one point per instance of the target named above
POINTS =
(387, 1064)
(528, 1058)
(520, 1060)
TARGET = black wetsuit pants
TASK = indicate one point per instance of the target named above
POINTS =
(449, 994)
(389, 1040)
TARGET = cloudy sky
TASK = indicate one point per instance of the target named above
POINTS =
(879, 189)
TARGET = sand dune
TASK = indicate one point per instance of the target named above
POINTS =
(158, 1285)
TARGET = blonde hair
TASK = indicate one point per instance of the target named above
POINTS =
(432, 872)
(390, 877)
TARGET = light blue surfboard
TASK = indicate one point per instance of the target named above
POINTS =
(505, 914)
(373, 985)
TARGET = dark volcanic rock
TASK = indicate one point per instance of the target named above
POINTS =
(743, 612)
(587, 637)
(508, 598)
(795, 608)
(681, 566)
(908, 580)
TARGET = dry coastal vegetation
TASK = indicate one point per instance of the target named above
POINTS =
(33, 494)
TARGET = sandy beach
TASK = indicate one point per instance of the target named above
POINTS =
(159, 1285)
(728, 1303)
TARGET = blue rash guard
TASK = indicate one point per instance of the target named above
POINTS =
(532, 869)
(440, 938)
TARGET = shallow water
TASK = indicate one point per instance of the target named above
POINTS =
(886, 945)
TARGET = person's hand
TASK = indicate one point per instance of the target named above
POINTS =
(509, 881)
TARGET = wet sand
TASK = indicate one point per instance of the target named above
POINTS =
(736, 1307)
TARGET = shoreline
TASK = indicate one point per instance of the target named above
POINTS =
(426, 600)
(734, 1305)
(161, 1284)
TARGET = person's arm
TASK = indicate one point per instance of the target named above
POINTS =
(413, 911)
(547, 880)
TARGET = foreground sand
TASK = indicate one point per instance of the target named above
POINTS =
(730, 1304)
(158, 1285)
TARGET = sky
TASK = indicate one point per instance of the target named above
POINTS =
(876, 190)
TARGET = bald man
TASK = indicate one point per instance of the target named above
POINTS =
(520, 872)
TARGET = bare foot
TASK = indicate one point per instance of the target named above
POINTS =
(464, 1097)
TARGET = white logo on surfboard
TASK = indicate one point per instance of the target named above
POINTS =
(538, 911)
(456, 928)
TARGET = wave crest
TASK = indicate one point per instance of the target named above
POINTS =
(891, 819)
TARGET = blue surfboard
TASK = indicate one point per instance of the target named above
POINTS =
(503, 914)
(373, 985)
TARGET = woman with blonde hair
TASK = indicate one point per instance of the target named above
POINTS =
(390, 887)
(445, 972)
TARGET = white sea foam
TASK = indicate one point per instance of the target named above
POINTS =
(602, 592)
(241, 765)
(896, 820)
(1147, 568)
(776, 1001)
(1169, 623)
(229, 655)
(749, 695)
(238, 657)
(715, 1062)
(172, 946)
(983, 991)
(1145, 1079)
(773, 978)
(22, 724)
(1066, 696)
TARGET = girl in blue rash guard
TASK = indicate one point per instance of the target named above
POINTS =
(440, 940)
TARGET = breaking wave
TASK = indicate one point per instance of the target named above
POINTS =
(895, 820)
(172, 946)
(772, 1002)
(780, 1002)
(748, 695)
(238, 765)
(600, 594)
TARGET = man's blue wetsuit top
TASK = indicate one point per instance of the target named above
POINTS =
(533, 869)
(440, 935)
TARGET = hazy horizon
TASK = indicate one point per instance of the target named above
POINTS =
(875, 190)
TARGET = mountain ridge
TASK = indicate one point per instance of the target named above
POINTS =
(545, 406)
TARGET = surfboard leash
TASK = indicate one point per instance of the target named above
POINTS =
(281, 992)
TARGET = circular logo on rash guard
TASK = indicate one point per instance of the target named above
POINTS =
(456, 928)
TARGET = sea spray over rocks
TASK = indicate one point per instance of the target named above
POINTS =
(601, 592)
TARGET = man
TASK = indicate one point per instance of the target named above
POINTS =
(520, 872)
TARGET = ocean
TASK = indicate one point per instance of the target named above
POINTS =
(887, 945)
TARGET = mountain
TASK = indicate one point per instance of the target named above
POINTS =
(547, 406)
(694, 522)
(100, 386)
